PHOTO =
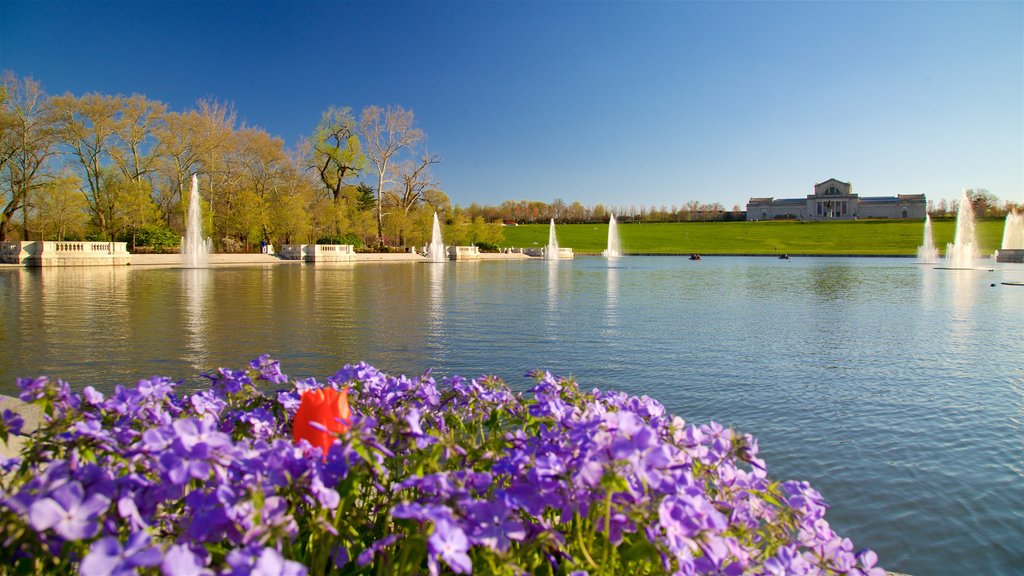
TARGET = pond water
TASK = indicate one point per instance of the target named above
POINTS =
(896, 389)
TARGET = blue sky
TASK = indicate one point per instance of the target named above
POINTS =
(602, 102)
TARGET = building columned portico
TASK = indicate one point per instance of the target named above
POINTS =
(835, 200)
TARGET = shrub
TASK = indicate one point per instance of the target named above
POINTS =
(350, 238)
(487, 246)
(457, 476)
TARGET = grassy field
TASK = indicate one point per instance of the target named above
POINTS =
(861, 237)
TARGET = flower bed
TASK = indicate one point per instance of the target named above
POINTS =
(419, 476)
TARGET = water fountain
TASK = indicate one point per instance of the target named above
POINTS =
(927, 253)
(614, 245)
(551, 250)
(1013, 232)
(195, 250)
(436, 251)
(1012, 247)
(962, 252)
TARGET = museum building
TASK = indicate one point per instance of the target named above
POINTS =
(835, 200)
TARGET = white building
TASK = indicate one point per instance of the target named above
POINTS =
(835, 200)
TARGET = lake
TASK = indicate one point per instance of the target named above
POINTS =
(895, 388)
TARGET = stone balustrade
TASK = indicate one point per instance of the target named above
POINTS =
(318, 252)
(463, 253)
(65, 253)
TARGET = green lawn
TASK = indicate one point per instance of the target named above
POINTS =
(882, 237)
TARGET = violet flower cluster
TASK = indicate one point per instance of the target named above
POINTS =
(459, 476)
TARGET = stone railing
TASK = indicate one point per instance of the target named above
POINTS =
(463, 253)
(318, 252)
(53, 253)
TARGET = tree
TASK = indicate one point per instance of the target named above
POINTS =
(27, 139)
(335, 152)
(190, 141)
(88, 126)
(438, 202)
(366, 197)
(413, 181)
(135, 208)
(59, 210)
(982, 201)
(386, 132)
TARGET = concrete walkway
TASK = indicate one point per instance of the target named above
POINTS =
(33, 418)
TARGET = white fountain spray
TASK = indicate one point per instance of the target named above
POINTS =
(927, 253)
(435, 251)
(614, 245)
(195, 250)
(1013, 232)
(551, 251)
(962, 252)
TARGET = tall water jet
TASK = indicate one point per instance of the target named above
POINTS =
(551, 250)
(927, 253)
(1013, 232)
(962, 252)
(435, 251)
(195, 250)
(614, 245)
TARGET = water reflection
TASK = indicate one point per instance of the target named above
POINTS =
(964, 284)
(196, 286)
(552, 286)
(611, 306)
(833, 282)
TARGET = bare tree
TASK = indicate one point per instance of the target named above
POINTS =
(27, 140)
(414, 179)
(387, 132)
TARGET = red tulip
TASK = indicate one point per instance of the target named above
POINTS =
(329, 408)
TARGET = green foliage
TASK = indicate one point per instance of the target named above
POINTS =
(349, 238)
(487, 246)
(366, 197)
(157, 237)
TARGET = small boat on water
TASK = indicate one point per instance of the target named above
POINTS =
(694, 256)
(784, 257)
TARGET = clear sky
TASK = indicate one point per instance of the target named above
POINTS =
(619, 103)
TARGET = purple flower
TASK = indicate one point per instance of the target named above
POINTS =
(91, 396)
(366, 556)
(33, 388)
(107, 557)
(270, 370)
(13, 422)
(490, 525)
(70, 515)
(787, 562)
(449, 543)
(271, 563)
(179, 560)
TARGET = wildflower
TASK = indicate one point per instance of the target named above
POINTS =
(107, 557)
(68, 512)
(449, 543)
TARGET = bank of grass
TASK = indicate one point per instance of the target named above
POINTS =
(860, 237)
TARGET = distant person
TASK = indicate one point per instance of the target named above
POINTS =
(263, 246)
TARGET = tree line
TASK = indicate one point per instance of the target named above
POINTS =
(119, 167)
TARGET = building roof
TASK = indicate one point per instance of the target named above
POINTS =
(879, 199)
(798, 201)
(760, 200)
(832, 180)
